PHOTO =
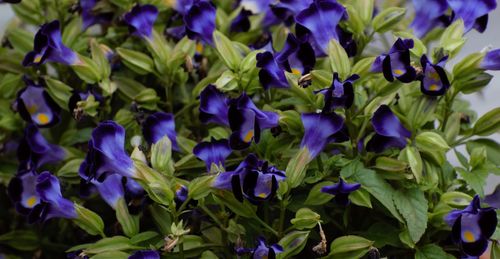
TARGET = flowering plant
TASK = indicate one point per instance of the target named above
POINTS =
(249, 128)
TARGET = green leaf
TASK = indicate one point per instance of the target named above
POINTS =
(305, 219)
(431, 251)
(21, 39)
(488, 124)
(129, 223)
(456, 199)
(388, 19)
(9, 85)
(161, 156)
(227, 51)
(70, 169)
(293, 243)
(161, 218)
(373, 183)
(491, 146)
(412, 205)
(244, 209)
(87, 70)
(452, 38)
(89, 221)
(390, 164)
(339, 61)
(429, 141)
(137, 61)
(316, 197)
(22, 240)
(109, 244)
(363, 66)
(361, 198)
(59, 91)
(475, 179)
(99, 57)
(297, 167)
(383, 234)
(200, 187)
(350, 247)
(413, 157)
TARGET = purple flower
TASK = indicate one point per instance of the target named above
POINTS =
(493, 199)
(34, 150)
(320, 20)
(262, 251)
(89, 17)
(296, 57)
(145, 254)
(491, 60)
(241, 23)
(213, 106)
(36, 106)
(247, 121)
(48, 46)
(181, 193)
(213, 152)
(141, 19)
(396, 64)
(389, 132)
(474, 13)
(106, 154)
(159, 125)
(286, 10)
(39, 197)
(472, 227)
(339, 94)
(434, 81)
(319, 130)
(428, 15)
(341, 190)
(254, 180)
(200, 21)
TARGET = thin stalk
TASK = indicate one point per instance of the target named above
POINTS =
(266, 226)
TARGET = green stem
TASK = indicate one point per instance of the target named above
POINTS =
(282, 217)
(266, 226)
(213, 217)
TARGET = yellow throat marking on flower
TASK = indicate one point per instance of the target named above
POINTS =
(37, 59)
(248, 137)
(434, 87)
(469, 237)
(262, 195)
(398, 72)
(296, 72)
(199, 47)
(42, 118)
(31, 201)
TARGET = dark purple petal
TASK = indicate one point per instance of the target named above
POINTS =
(286, 10)
(141, 19)
(241, 23)
(427, 14)
(200, 21)
(321, 19)
(270, 75)
(471, 10)
(145, 254)
(89, 17)
(159, 125)
(36, 106)
(262, 251)
(34, 150)
(48, 46)
(183, 6)
(491, 60)
(106, 153)
(266, 119)
(396, 64)
(213, 106)
(385, 123)
(213, 152)
(318, 128)
(339, 94)
(49, 190)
